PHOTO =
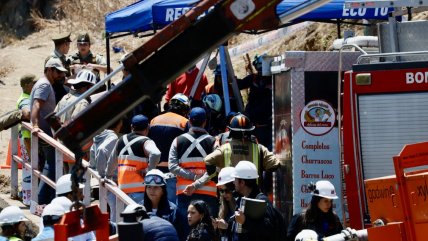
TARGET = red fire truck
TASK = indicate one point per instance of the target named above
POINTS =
(385, 106)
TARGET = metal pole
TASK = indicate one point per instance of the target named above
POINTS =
(235, 88)
(108, 57)
(199, 76)
(338, 29)
(224, 80)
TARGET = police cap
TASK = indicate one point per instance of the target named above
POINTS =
(83, 38)
(27, 79)
(61, 38)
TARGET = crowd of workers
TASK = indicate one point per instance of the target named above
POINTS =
(191, 169)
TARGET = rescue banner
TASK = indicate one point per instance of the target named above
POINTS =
(315, 141)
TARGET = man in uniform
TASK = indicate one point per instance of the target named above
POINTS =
(84, 58)
(62, 46)
(135, 154)
(241, 146)
(164, 129)
(186, 161)
(259, 106)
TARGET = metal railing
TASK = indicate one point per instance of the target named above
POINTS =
(122, 199)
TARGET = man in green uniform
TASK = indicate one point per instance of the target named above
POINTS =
(241, 145)
(84, 58)
(62, 46)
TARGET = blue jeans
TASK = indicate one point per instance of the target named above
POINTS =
(111, 200)
(171, 189)
(46, 192)
(138, 197)
(183, 202)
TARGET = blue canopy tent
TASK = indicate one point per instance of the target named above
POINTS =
(148, 15)
(151, 15)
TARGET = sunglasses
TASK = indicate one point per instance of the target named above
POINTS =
(83, 44)
(225, 190)
(153, 179)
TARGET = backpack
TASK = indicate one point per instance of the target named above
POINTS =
(279, 232)
(279, 228)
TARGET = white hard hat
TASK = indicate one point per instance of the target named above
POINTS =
(307, 235)
(245, 170)
(53, 209)
(181, 98)
(213, 101)
(325, 189)
(64, 202)
(63, 185)
(225, 175)
(11, 215)
(84, 76)
(134, 207)
(155, 177)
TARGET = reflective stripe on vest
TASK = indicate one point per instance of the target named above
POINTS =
(130, 167)
(14, 239)
(227, 153)
(45, 239)
(195, 165)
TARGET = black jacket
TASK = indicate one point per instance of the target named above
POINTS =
(321, 226)
(199, 233)
(255, 229)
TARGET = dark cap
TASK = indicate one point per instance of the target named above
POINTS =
(83, 38)
(61, 38)
(140, 122)
(27, 79)
(197, 114)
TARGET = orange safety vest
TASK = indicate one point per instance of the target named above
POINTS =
(195, 165)
(130, 167)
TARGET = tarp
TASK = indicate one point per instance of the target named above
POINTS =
(335, 9)
(155, 14)
(146, 15)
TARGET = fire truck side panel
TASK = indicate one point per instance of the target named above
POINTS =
(391, 86)
(393, 232)
(383, 199)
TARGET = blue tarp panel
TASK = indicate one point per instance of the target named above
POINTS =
(155, 14)
(167, 11)
(146, 15)
(136, 17)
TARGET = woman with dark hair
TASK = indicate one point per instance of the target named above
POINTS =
(319, 215)
(227, 208)
(155, 198)
(13, 224)
(199, 219)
